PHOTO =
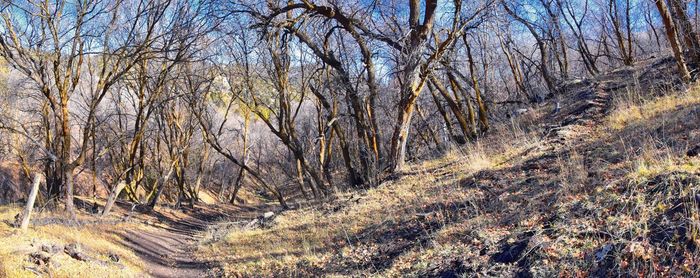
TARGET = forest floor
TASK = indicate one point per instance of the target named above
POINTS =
(608, 185)
(128, 243)
(168, 250)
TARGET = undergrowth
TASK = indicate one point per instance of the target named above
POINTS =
(622, 200)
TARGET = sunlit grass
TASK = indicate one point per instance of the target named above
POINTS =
(314, 237)
(15, 247)
(639, 109)
(310, 236)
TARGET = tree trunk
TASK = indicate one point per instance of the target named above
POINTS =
(514, 68)
(483, 119)
(541, 46)
(403, 124)
(300, 181)
(354, 179)
(672, 36)
(450, 133)
(162, 181)
(625, 47)
(112, 198)
(68, 179)
(471, 114)
(431, 132)
(452, 104)
(692, 41)
(237, 185)
(26, 215)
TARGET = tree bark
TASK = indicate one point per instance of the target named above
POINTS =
(237, 185)
(112, 198)
(672, 35)
(403, 124)
(27, 213)
(483, 118)
(452, 104)
(692, 41)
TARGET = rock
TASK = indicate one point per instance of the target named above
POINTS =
(74, 251)
(18, 220)
(251, 225)
(424, 216)
(40, 258)
(693, 151)
(521, 111)
(602, 253)
(113, 257)
(51, 248)
(261, 221)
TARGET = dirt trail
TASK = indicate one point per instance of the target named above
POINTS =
(168, 249)
(168, 253)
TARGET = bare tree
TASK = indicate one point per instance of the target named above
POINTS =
(672, 36)
(53, 45)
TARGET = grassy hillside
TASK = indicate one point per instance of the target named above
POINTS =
(602, 187)
(20, 251)
(130, 242)
(607, 185)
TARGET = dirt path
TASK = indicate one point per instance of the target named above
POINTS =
(168, 253)
(168, 249)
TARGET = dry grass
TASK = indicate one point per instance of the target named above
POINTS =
(634, 108)
(655, 160)
(656, 133)
(96, 240)
(603, 195)
(618, 200)
(306, 240)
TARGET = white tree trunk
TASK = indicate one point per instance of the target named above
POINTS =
(113, 198)
(30, 202)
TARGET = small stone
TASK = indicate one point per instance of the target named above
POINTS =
(113, 257)
(602, 253)
(268, 215)
(252, 224)
(40, 258)
(18, 221)
(74, 251)
(51, 248)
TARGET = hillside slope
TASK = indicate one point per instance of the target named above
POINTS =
(606, 185)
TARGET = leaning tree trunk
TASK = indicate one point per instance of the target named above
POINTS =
(471, 114)
(160, 185)
(300, 181)
(112, 198)
(237, 185)
(26, 215)
(448, 130)
(454, 107)
(692, 41)
(483, 119)
(672, 36)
